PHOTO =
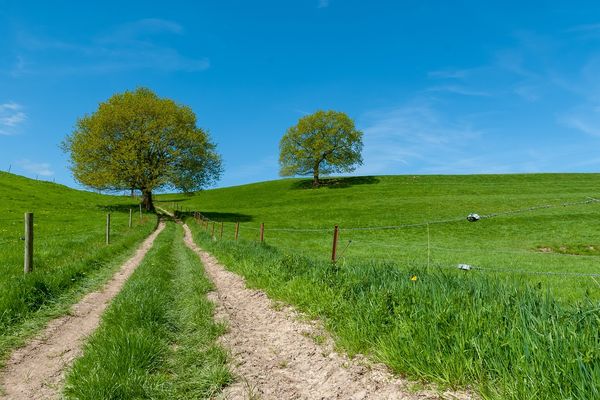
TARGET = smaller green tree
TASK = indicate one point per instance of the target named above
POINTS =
(321, 143)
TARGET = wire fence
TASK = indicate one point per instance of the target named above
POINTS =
(372, 244)
(49, 230)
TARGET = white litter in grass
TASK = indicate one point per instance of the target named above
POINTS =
(473, 217)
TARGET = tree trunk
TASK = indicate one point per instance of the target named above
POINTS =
(147, 200)
(316, 182)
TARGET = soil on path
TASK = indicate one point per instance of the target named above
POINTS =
(37, 371)
(277, 356)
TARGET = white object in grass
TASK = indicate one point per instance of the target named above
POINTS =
(473, 217)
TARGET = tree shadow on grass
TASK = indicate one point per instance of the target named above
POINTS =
(220, 216)
(337, 183)
(173, 200)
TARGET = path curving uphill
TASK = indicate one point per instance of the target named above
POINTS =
(277, 357)
(36, 371)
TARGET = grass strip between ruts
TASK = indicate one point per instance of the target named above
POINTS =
(157, 339)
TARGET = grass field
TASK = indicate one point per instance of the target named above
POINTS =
(70, 254)
(156, 340)
(505, 339)
(523, 326)
(533, 245)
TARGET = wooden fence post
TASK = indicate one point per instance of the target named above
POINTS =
(237, 230)
(140, 212)
(28, 264)
(262, 232)
(221, 235)
(108, 228)
(334, 248)
(212, 232)
(130, 217)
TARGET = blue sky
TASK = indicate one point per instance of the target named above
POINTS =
(437, 87)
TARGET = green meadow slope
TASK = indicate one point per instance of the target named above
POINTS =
(522, 323)
(70, 254)
(551, 245)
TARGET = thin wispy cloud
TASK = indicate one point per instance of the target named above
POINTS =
(523, 78)
(585, 28)
(19, 67)
(449, 73)
(323, 4)
(527, 92)
(458, 89)
(513, 60)
(413, 136)
(583, 119)
(530, 69)
(588, 32)
(132, 46)
(138, 31)
(36, 168)
(420, 138)
(11, 116)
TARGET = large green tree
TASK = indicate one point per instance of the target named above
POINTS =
(321, 143)
(137, 140)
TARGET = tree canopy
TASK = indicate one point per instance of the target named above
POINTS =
(139, 141)
(321, 143)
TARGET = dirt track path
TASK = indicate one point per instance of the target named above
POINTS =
(276, 355)
(37, 370)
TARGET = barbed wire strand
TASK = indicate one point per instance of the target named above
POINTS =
(501, 251)
(589, 200)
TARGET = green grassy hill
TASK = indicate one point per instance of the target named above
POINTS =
(70, 254)
(562, 239)
(522, 324)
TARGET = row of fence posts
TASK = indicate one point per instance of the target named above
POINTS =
(28, 237)
(205, 223)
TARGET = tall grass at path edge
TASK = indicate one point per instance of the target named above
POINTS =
(504, 339)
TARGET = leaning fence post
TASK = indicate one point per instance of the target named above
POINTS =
(262, 232)
(108, 228)
(221, 235)
(130, 217)
(28, 264)
(237, 230)
(212, 232)
(335, 240)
